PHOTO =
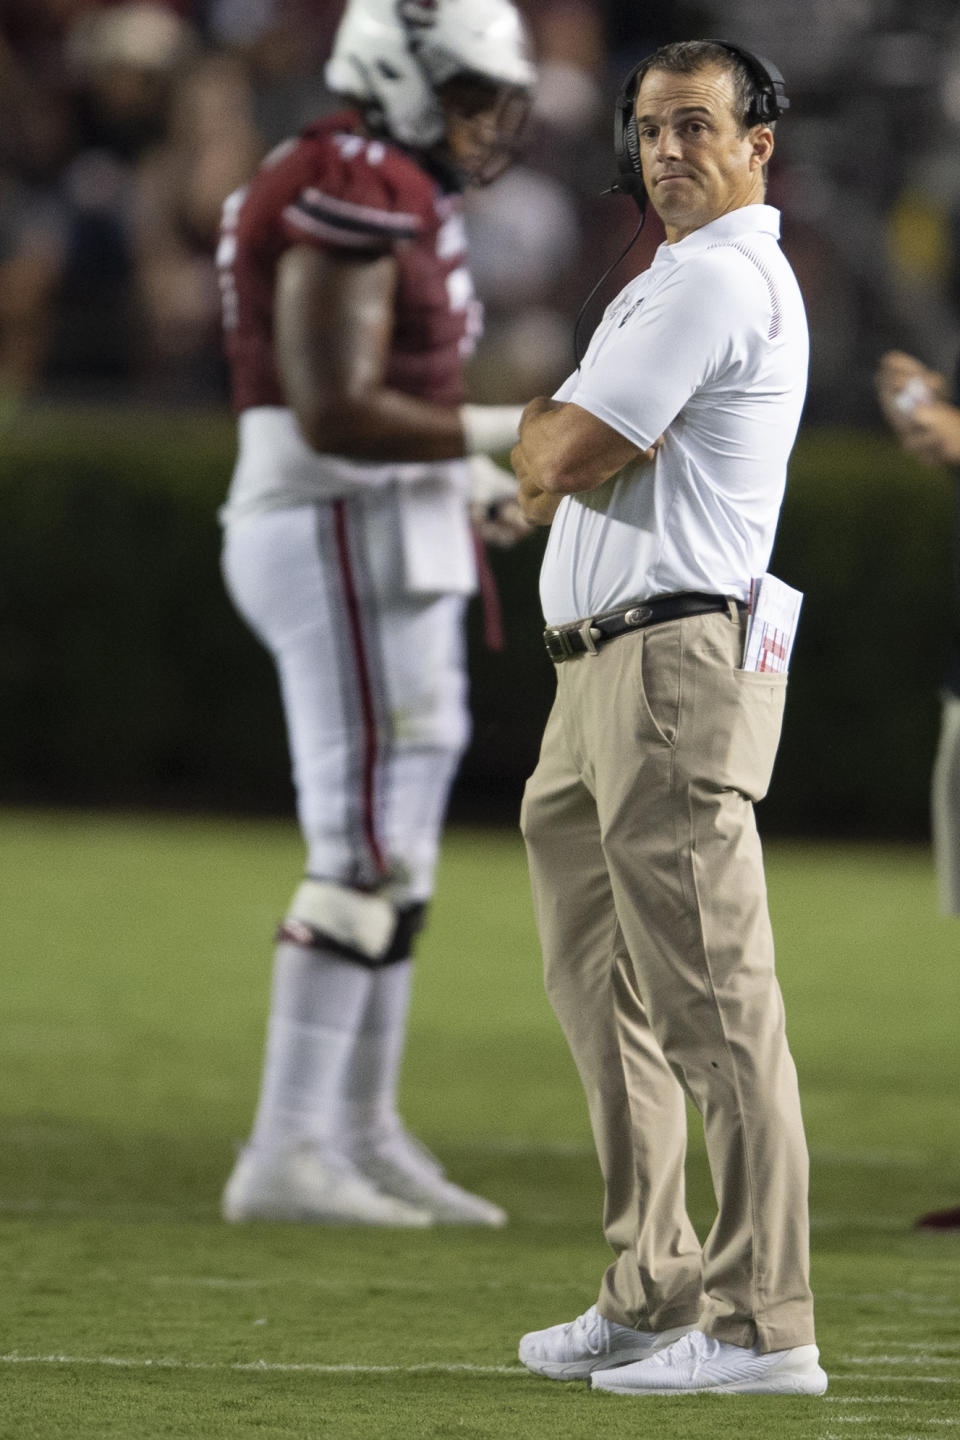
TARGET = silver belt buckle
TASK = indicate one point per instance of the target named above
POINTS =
(557, 641)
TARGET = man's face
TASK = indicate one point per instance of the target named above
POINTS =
(484, 126)
(697, 162)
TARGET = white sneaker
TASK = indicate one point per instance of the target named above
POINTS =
(400, 1166)
(313, 1187)
(575, 1350)
(697, 1363)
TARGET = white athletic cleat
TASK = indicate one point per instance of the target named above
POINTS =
(400, 1166)
(697, 1364)
(591, 1342)
(311, 1187)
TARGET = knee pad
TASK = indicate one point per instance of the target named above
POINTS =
(365, 928)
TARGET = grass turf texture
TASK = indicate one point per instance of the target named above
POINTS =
(135, 994)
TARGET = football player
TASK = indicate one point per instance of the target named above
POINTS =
(349, 311)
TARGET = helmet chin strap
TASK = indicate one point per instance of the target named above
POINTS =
(455, 176)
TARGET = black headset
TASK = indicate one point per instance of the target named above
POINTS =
(768, 103)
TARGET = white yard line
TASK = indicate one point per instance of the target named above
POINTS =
(821, 1223)
(949, 1347)
(871, 1419)
(916, 1359)
(315, 1368)
(908, 1297)
(840, 1376)
(120, 1362)
(885, 1400)
(882, 1435)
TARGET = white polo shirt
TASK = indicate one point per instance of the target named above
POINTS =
(709, 348)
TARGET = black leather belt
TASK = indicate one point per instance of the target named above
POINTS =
(584, 637)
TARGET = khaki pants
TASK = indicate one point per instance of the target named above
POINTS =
(650, 901)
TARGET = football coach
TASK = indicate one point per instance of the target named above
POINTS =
(660, 466)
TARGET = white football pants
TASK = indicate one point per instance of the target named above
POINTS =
(373, 683)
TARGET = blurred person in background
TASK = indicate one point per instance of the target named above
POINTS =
(349, 311)
(125, 59)
(915, 402)
(283, 45)
(95, 87)
(123, 139)
(210, 147)
(33, 250)
(35, 219)
(145, 200)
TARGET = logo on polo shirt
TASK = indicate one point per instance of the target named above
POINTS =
(632, 311)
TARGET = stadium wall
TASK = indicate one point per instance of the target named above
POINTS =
(127, 680)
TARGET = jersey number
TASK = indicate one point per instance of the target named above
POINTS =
(226, 258)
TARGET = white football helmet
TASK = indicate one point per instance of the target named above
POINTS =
(394, 54)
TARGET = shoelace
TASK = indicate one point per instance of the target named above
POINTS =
(593, 1326)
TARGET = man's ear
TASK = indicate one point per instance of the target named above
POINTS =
(762, 143)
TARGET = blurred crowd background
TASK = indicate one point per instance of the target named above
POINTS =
(127, 678)
(123, 126)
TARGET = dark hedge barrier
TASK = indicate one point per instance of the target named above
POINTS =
(126, 679)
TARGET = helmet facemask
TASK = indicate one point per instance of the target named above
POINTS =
(484, 125)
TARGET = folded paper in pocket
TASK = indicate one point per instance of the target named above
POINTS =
(772, 627)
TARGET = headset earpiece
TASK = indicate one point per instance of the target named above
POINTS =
(769, 87)
(626, 141)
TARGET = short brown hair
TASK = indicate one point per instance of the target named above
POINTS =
(685, 56)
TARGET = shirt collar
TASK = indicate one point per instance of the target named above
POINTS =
(747, 220)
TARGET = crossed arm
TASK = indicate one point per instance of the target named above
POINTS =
(565, 450)
(333, 324)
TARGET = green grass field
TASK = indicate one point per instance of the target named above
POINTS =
(136, 968)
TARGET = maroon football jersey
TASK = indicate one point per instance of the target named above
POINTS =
(339, 190)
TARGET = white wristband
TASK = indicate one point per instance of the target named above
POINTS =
(489, 485)
(488, 429)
